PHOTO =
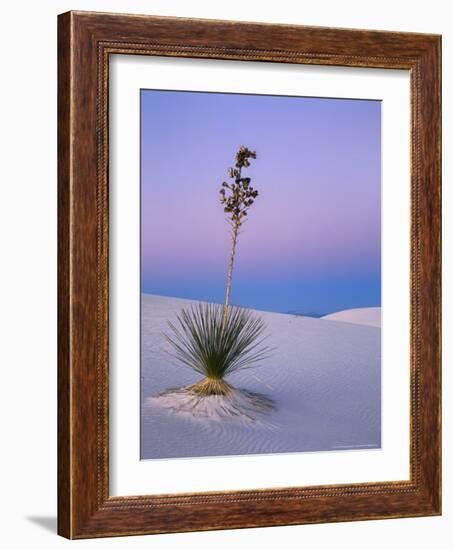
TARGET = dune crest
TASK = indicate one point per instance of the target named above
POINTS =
(369, 316)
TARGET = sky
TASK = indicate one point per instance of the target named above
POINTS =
(312, 241)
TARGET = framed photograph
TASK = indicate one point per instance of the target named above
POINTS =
(249, 275)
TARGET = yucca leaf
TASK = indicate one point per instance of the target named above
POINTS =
(201, 340)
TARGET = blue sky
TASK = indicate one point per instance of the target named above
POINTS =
(312, 242)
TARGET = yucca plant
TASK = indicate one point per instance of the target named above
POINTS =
(214, 348)
(216, 340)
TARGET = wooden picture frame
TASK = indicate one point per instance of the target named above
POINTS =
(85, 42)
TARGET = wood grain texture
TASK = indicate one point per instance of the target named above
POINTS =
(86, 40)
(64, 367)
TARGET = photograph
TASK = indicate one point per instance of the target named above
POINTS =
(260, 274)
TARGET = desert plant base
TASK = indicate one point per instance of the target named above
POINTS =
(211, 386)
(216, 400)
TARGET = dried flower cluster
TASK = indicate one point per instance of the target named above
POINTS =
(238, 196)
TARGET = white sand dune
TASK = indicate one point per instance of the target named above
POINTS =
(370, 316)
(324, 378)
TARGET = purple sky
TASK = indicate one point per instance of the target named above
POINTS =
(312, 240)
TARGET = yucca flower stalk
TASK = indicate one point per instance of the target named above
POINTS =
(216, 340)
(237, 197)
